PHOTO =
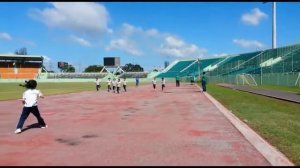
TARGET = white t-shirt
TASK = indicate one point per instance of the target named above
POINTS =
(31, 96)
(98, 82)
(109, 82)
(114, 83)
(154, 82)
(124, 82)
(164, 82)
(118, 84)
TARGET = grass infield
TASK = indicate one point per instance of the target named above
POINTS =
(277, 121)
(12, 91)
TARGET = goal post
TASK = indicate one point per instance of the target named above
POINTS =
(297, 83)
(245, 79)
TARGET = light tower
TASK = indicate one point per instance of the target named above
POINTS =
(274, 27)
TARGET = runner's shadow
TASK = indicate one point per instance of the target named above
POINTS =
(35, 125)
(167, 92)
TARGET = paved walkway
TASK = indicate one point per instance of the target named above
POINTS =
(180, 126)
(288, 96)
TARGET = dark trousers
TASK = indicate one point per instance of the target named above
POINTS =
(114, 89)
(177, 83)
(97, 87)
(25, 113)
(108, 88)
(154, 86)
(124, 86)
(203, 83)
(118, 89)
(162, 87)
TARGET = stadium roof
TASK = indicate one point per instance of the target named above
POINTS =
(21, 57)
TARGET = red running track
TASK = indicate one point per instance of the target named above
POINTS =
(179, 126)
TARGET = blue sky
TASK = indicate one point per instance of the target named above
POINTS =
(145, 33)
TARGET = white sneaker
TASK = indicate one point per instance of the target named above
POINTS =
(17, 131)
(45, 126)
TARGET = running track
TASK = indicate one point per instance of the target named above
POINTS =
(140, 127)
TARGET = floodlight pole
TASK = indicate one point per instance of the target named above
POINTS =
(274, 26)
(261, 78)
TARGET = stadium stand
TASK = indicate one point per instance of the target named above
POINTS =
(20, 66)
(174, 69)
(279, 66)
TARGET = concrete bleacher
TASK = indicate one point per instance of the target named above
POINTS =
(16, 73)
(174, 69)
(229, 66)
(204, 63)
(20, 66)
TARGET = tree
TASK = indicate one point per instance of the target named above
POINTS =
(133, 68)
(21, 51)
(68, 68)
(93, 68)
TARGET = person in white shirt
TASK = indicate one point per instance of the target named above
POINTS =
(108, 85)
(30, 98)
(163, 83)
(114, 82)
(118, 85)
(124, 84)
(154, 83)
(98, 84)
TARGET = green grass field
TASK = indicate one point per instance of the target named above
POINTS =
(275, 120)
(12, 91)
(295, 89)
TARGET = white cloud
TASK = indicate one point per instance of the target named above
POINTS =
(152, 32)
(129, 29)
(174, 42)
(124, 45)
(126, 40)
(254, 17)
(5, 36)
(47, 59)
(249, 43)
(134, 40)
(80, 41)
(175, 47)
(86, 18)
(220, 55)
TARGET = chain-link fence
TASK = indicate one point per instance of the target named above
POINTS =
(286, 79)
(280, 66)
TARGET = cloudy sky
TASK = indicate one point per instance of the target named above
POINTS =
(145, 33)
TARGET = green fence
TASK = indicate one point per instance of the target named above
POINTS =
(285, 79)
